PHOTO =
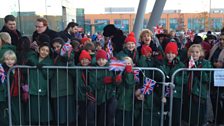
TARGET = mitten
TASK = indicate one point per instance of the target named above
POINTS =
(118, 79)
(39, 66)
(128, 68)
(107, 80)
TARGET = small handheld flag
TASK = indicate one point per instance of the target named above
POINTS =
(136, 75)
(158, 29)
(167, 91)
(109, 50)
(191, 63)
(2, 74)
(117, 65)
(67, 48)
(148, 86)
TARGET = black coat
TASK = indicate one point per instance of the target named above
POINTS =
(51, 33)
(15, 35)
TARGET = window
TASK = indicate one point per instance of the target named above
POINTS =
(122, 24)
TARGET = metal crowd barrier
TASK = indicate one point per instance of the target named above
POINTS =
(54, 115)
(201, 102)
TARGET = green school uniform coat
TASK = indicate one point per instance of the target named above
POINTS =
(104, 92)
(62, 82)
(169, 69)
(125, 52)
(125, 92)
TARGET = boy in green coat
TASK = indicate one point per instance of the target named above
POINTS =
(40, 108)
(150, 102)
(171, 64)
(105, 91)
(85, 90)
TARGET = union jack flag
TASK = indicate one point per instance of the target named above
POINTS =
(191, 63)
(148, 86)
(136, 75)
(167, 91)
(2, 74)
(67, 48)
(117, 65)
(158, 29)
(109, 49)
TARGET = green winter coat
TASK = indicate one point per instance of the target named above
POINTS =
(83, 87)
(125, 92)
(3, 91)
(202, 87)
(5, 48)
(147, 62)
(102, 92)
(38, 82)
(125, 52)
(62, 82)
(180, 79)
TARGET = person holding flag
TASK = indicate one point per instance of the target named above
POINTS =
(144, 92)
(171, 64)
(197, 84)
(125, 96)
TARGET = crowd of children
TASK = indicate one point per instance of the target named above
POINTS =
(101, 97)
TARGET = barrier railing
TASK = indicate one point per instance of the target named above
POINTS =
(61, 97)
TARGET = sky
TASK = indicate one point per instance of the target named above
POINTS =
(53, 7)
(186, 6)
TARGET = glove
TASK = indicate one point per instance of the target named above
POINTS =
(25, 96)
(128, 68)
(118, 79)
(107, 80)
(39, 66)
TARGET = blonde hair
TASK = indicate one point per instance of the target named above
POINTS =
(197, 46)
(128, 59)
(145, 31)
(5, 37)
(9, 53)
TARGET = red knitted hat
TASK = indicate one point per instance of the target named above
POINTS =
(84, 54)
(83, 40)
(171, 47)
(145, 49)
(101, 54)
(130, 38)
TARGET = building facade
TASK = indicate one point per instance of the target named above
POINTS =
(169, 20)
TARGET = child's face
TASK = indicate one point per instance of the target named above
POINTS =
(10, 61)
(128, 62)
(170, 56)
(98, 48)
(57, 47)
(44, 52)
(130, 46)
(101, 62)
(85, 62)
(195, 53)
(146, 39)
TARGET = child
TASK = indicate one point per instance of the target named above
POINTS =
(197, 86)
(105, 89)
(146, 40)
(3, 96)
(171, 64)
(86, 99)
(40, 108)
(151, 101)
(129, 49)
(90, 47)
(125, 95)
(5, 43)
(16, 79)
(62, 90)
